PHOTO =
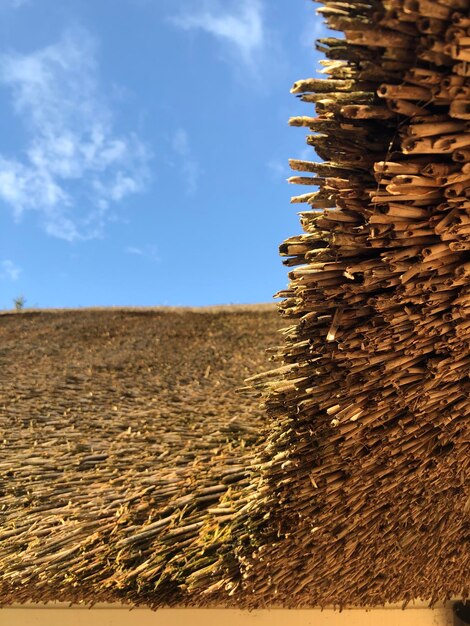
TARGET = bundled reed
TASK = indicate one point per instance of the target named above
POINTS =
(125, 450)
(365, 491)
(358, 493)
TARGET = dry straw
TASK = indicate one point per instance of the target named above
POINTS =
(365, 478)
(360, 493)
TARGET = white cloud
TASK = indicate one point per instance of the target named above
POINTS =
(134, 250)
(241, 28)
(308, 154)
(314, 28)
(181, 142)
(9, 270)
(148, 252)
(278, 168)
(189, 166)
(74, 165)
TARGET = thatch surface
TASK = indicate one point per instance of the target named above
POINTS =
(123, 438)
(366, 473)
(360, 494)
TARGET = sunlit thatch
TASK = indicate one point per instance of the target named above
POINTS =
(358, 490)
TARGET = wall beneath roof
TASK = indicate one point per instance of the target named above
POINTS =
(418, 616)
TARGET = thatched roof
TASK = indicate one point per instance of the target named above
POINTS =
(367, 470)
(125, 446)
(160, 487)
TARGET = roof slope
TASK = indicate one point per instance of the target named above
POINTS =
(360, 493)
(123, 440)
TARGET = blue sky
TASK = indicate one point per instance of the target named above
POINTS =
(144, 148)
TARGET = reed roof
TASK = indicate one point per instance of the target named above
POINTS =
(367, 471)
(123, 440)
(356, 490)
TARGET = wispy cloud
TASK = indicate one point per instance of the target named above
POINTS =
(308, 154)
(278, 168)
(238, 25)
(148, 252)
(75, 165)
(9, 270)
(314, 28)
(189, 166)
